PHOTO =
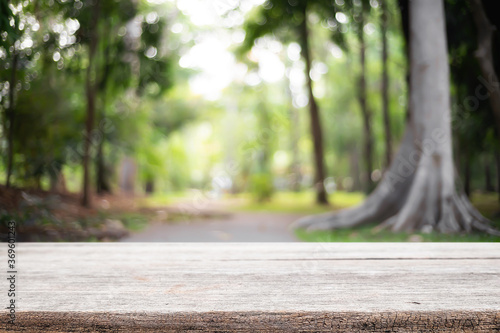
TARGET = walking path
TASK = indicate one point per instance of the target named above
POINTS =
(236, 227)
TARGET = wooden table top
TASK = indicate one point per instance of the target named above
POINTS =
(146, 287)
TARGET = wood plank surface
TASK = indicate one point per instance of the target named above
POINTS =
(146, 287)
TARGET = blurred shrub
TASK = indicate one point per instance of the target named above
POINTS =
(261, 186)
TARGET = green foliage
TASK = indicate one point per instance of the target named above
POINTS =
(12, 32)
(262, 186)
(296, 202)
(48, 130)
(50, 96)
(282, 18)
(33, 212)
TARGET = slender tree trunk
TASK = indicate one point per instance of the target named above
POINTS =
(294, 133)
(89, 125)
(488, 179)
(91, 94)
(11, 116)
(38, 182)
(319, 177)
(366, 113)
(57, 181)
(418, 191)
(99, 167)
(102, 176)
(484, 54)
(150, 186)
(497, 159)
(101, 186)
(404, 10)
(296, 175)
(266, 148)
(385, 86)
(355, 172)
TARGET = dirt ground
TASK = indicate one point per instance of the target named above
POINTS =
(46, 216)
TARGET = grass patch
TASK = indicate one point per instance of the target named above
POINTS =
(294, 202)
(163, 199)
(486, 203)
(133, 221)
(367, 233)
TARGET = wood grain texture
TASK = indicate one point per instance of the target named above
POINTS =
(73, 287)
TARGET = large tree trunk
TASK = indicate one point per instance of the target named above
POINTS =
(385, 86)
(319, 177)
(418, 191)
(90, 86)
(11, 116)
(366, 113)
(484, 54)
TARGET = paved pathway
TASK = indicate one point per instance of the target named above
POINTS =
(237, 227)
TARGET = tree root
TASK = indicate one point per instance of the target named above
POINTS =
(421, 200)
(462, 217)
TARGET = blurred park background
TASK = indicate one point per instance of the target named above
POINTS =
(159, 119)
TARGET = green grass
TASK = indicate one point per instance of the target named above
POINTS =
(133, 221)
(281, 202)
(367, 233)
(294, 202)
(486, 203)
(163, 199)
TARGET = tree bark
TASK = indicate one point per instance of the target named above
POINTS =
(484, 55)
(265, 149)
(91, 93)
(497, 159)
(418, 191)
(294, 142)
(295, 173)
(10, 116)
(102, 177)
(467, 172)
(385, 86)
(354, 161)
(319, 177)
(488, 179)
(57, 182)
(366, 113)
(150, 186)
